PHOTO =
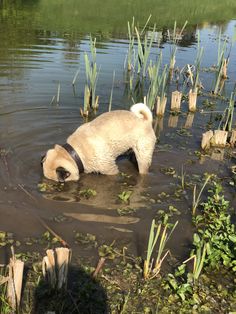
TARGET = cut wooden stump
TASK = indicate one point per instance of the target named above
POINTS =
(161, 106)
(219, 138)
(206, 139)
(232, 140)
(49, 268)
(176, 101)
(55, 267)
(63, 258)
(189, 120)
(173, 121)
(192, 102)
(15, 278)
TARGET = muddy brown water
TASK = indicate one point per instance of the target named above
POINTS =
(29, 125)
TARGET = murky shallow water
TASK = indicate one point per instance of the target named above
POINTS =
(30, 71)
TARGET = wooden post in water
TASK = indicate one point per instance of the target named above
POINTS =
(15, 278)
(55, 267)
(192, 102)
(161, 106)
(220, 138)
(206, 139)
(63, 258)
(175, 101)
(233, 138)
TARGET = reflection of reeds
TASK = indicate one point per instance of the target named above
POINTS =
(152, 269)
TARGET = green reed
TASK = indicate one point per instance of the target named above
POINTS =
(198, 259)
(197, 198)
(111, 95)
(154, 77)
(227, 117)
(130, 56)
(221, 60)
(144, 49)
(152, 269)
(92, 73)
(174, 38)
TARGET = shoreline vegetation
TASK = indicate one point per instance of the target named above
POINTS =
(203, 283)
(75, 17)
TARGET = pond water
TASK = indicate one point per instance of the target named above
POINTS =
(43, 45)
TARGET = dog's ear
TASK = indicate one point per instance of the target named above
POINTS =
(62, 174)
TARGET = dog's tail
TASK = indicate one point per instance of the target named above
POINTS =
(142, 111)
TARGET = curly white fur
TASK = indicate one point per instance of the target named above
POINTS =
(142, 111)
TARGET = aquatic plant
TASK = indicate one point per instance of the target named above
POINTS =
(131, 51)
(227, 117)
(75, 77)
(58, 93)
(144, 49)
(222, 63)
(92, 74)
(125, 196)
(111, 95)
(197, 198)
(174, 38)
(198, 257)
(151, 269)
(5, 307)
(215, 228)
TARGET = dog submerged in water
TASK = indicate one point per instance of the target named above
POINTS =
(95, 145)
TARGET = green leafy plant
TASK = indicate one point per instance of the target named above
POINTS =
(125, 196)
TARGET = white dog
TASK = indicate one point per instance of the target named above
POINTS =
(95, 145)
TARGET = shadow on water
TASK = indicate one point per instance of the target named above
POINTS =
(83, 295)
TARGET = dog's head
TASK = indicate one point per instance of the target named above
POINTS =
(59, 166)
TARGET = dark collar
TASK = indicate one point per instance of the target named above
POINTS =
(70, 150)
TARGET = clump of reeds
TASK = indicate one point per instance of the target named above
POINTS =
(152, 266)
(198, 259)
(91, 77)
(130, 55)
(174, 38)
(156, 95)
(222, 64)
(144, 48)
